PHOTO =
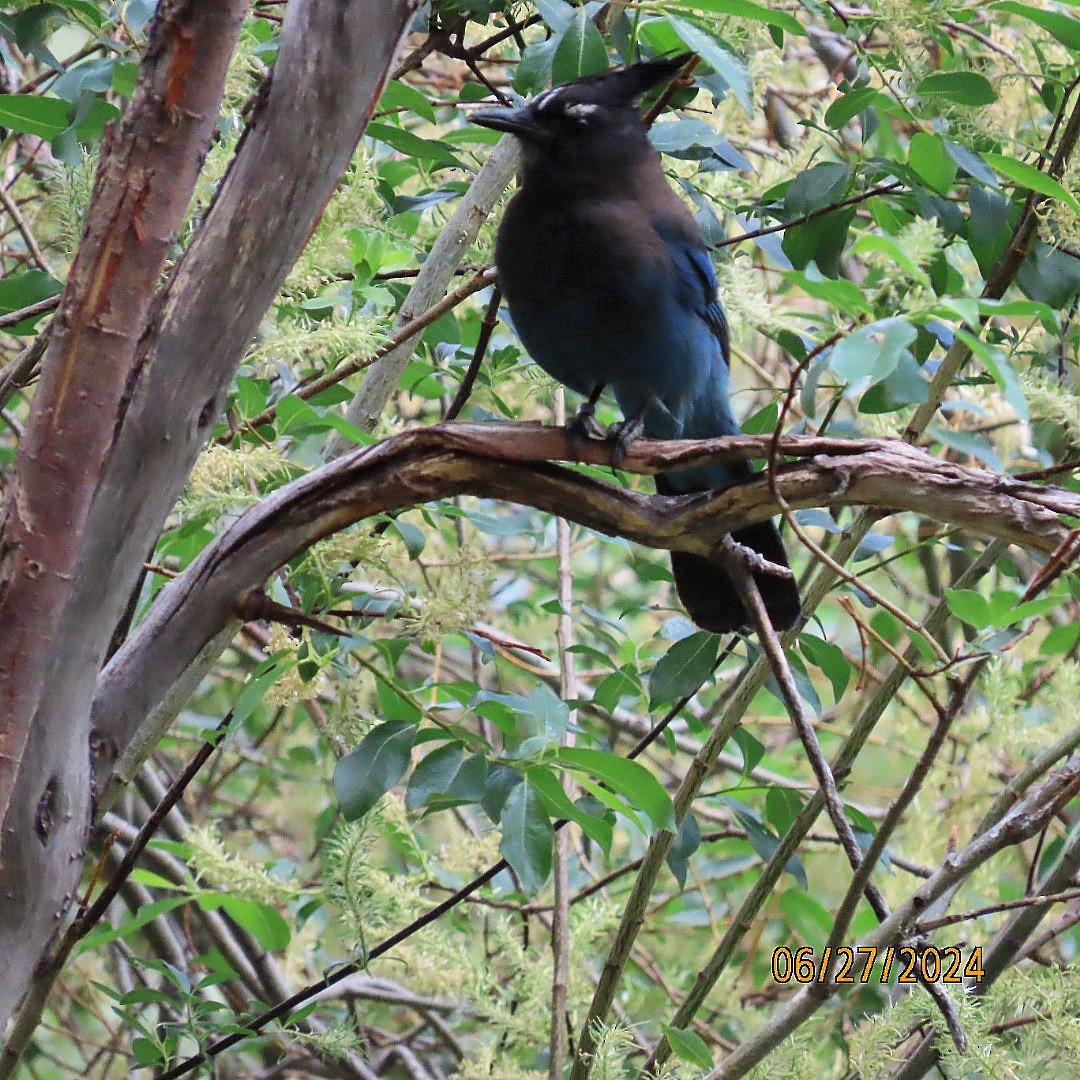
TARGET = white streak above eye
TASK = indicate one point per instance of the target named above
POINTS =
(546, 98)
(581, 111)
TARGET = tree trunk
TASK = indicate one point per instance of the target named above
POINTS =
(133, 384)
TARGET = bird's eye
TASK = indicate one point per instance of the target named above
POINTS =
(581, 112)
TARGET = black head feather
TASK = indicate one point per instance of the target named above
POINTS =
(575, 130)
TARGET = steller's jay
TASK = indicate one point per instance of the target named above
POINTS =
(609, 284)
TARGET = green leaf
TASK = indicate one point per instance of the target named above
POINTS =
(445, 777)
(871, 352)
(744, 9)
(683, 668)
(817, 187)
(20, 290)
(501, 780)
(615, 803)
(694, 140)
(373, 768)
(971, 162)
(413, 146)
(1065, 28)
(125, 75)
(806, 917)
(395, 705)
(42, 116)
(763, 422)
(146, 913)
(31, 28)
(820, 240)
(143, 995)
(963, 87)
(849, 105)
(831, 659)
(689, 1046)
(859, 821)
(248, 698)
(751, 748)
(966, 442)
(597, 827)
(558, 14)
(630, 779)
(549, 714)
(581, 50)
(411, 536)
(970, 606)
(1007, 609)
(399, 95)
(146, 1053)
(762, 840)
(1029, 177)
(533, 72)
(687, 841)
(999, 367)
(614, 687)
(725, 63)
(527, 837)
(1049, 275)
(894, 250)
(782, 806)
(930, 158)
(1061, 639)
(262, 921)
(1025, 309)
(845, 295)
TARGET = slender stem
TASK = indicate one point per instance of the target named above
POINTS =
(568, 691)
(317, 384)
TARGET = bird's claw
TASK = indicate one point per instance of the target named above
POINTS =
(583, 426)
(625, 434)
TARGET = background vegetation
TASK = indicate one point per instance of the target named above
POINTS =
(353, 803)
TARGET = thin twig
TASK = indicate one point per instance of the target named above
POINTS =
(13, 318)
(852, 200)
(487, 328)
(316, 384)
(22, 369)
(24, 229)
(86, 921)
(992, 909)
(559, 1037)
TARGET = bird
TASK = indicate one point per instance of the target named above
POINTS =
(610, 286)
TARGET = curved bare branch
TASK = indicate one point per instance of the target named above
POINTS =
(515, 462)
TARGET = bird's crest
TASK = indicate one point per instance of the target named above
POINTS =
(618, 89)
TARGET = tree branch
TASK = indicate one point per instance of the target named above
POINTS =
(1023, 822)
(512, 461)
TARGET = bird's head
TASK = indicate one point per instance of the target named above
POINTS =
(585, 128)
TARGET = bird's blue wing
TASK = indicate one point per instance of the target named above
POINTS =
(697, 280)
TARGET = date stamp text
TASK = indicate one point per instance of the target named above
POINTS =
(873, 964)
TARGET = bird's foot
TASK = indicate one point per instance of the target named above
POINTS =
(583, 426)
(625, 434)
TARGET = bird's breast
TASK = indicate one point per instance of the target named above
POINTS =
(592, 294)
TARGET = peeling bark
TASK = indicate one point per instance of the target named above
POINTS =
(140, 390)
(142, 189)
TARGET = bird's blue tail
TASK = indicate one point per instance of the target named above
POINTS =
(708, 593)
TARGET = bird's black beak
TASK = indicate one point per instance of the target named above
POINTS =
(520, 122)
